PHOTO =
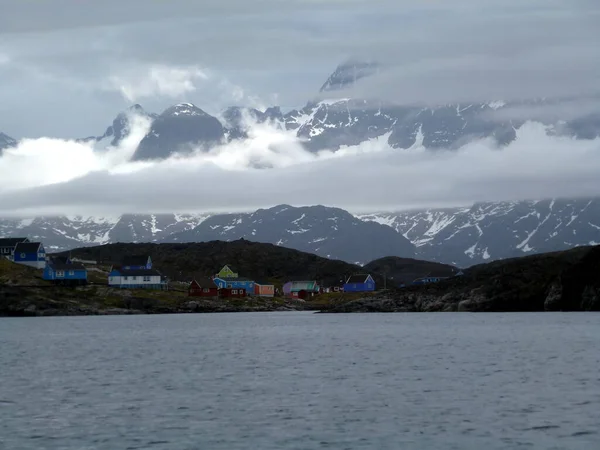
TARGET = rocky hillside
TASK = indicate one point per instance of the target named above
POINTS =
(559, 281)
(183, 262)
(400, 271)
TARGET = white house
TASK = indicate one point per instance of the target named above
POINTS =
(136, 279)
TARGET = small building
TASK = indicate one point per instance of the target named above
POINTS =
(133, 262)
(227, 272)
(264, 289)
(71, 274)
(427, 280)
(232, 293)
(30, 254)
(203, 287)
(136, 279)
(7, 246)
(235, 283)
(301, 289)
(359, 283)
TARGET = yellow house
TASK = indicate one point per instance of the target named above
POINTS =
(227, 272)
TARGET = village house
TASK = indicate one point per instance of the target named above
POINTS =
(136, 279)
(232, 292)
(227, 272)
(203, 287)
(264, 289)
(7, 246)
(301, 289)
(61, 270)
(30, 254)
(427, 280)
(359, 283)
(228, 278)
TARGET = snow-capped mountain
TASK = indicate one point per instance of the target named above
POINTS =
(120, 128)
(329, 232)
(66, 232)
(459, 236)
(6, 142)
(491, 231)
(329, 122)
(179, 128)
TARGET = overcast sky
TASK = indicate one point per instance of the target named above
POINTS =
(67, 67)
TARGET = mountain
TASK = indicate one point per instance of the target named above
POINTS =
(6, 142)
(490, 231)
(180, 128)
(348, 73)
(120, 128)
(558, 281)
(328, 232)
(460, 237)
(66, 232)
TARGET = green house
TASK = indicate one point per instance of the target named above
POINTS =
(227, 272)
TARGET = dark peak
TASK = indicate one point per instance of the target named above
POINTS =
(347, 73)
(184, 109)
(6, 141)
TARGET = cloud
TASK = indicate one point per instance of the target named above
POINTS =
(164, 81)
(371, 176)
(435, 51)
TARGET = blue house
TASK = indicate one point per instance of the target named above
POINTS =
(136, 262)
(359, 283)
(235, 283)
(7, 246)
(67, 273)
(427, 280)
(30, 254)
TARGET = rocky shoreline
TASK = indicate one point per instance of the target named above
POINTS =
(561, 281)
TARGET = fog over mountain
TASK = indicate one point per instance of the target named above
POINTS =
(98, 118)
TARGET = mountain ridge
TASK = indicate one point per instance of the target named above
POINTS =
(461, 237)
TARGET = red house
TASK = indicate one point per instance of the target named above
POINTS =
(232, 293)
(203, 287)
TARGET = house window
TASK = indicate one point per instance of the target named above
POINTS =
(71, 272)
(60, 273)
(134, 278)
(234, 291)
(206, 290)
(229, 285)
(146, 278)
(125, 278)
(23, 255)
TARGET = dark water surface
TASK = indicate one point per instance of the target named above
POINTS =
(301, 381)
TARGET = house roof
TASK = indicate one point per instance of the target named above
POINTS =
(59, 259)
(358, 278)
(263, 283)
(205, 282)
(138, 272)
(11, 242)
(234, 278)
(62, 266)
(27, 247)
(135, 260)
(232, 268)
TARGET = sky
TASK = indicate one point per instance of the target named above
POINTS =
(68, 67)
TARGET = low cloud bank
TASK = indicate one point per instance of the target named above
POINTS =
(50, 177)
